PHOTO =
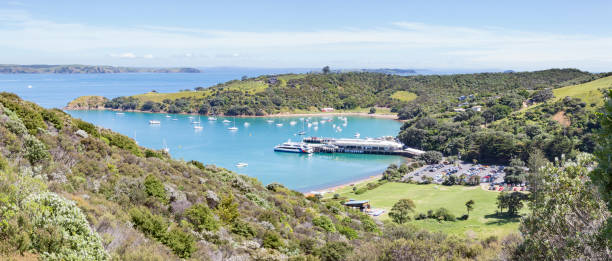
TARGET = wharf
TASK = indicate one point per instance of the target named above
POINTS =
(383, 146)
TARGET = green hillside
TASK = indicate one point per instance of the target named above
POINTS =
(590, 92)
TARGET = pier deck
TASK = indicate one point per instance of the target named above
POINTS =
(383, 146)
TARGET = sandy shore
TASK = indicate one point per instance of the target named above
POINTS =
(318, 114)
(333, 189)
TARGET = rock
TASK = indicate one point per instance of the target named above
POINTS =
(201, 181)
(180, 206)
(212, 199)
(175, 195)
(82, 134)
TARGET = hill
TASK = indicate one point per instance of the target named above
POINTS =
(72, 191)
(350, 91)
(79, 69)
(591, 92)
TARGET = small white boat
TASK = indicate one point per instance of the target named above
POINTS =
(246, 124)
(357, 135)
(301, 133)
(168, 116)
(196, 122)
(270, 121)
(322, 122)
(119, 113)
(226, 121)
(316, 127)
(241, 164)
(233, 128)
(29, 86)
(279, 125)
(339, 129)
(154, 122)
(175, 119)
(292, 123)
(309, 125)
(198, 127)
(315, 123)
(190, 117)
(212, 118)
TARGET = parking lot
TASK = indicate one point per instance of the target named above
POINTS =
(493, 174)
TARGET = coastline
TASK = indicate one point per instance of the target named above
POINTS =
(277, 115)
(335, 188)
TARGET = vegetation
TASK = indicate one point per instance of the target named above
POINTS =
(400, 212)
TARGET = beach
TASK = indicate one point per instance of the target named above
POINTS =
(333, 189)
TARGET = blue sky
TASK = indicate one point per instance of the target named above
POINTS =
(519, 35)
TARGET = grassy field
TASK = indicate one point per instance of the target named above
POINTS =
(245, 86)
(481, 223)
(404, 96)
(588, 92)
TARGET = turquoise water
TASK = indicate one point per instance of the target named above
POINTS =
(253, 144)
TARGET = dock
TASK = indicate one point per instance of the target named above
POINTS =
(382, 146)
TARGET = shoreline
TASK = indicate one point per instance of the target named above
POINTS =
(277, 115)
(335, 188)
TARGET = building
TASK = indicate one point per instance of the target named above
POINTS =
(362, 205)
(327, 109)
(477, 108)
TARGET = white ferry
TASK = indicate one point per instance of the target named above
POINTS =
(295, 147)
(154, 122)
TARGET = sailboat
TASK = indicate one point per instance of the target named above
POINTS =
(197, 126)
(270, 121)
(212, 118)
(165, 147)
(196, 122)
(233, 128)
(303, 132)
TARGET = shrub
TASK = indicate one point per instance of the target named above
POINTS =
(36, 151)
(334, 251)
(87, 127)
(3, 163)
(368, 224)
(431, 157)
(153, 154)
(420, 216)
(61, 229)
(324, 222)
(347, 231)
(182, 243)
(51, 116)
(201, 217)
(227, 210)
(123, 142)
(243, 229)
(444, 214)
(149, 224)
(155, 188)
(272, 240)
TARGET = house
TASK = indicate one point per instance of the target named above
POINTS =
(327, 109)
(477, 108)
(361, 204)
(461, 98)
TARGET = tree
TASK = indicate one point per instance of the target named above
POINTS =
(542, 95)
(372, 110)
(469, 205)
(567, 217)
(602, 175)
(401, 211)
(326, 70)
(431, 157)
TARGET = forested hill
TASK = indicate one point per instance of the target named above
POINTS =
(72, 191)
(80, 69)
(351, 91)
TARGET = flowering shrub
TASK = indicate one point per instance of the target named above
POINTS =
(72, 238)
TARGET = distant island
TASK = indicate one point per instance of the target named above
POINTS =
(391, 71)
(82, 69)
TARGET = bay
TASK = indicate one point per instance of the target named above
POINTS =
(253, 143)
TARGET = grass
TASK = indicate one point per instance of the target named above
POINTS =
(404, 96)
(481, 223)
(251, 87)
(589, 92)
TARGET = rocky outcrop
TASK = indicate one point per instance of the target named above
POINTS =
(87, 103)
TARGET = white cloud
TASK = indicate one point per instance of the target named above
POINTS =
(124, 55)
(402, 44)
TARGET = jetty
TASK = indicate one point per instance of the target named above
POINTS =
(383, 145)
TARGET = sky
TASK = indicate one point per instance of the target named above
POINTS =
(502, 35)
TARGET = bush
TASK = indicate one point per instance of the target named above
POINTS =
(87, 127)
(182, 243)
(347, 231)
(36, 151)
(227, 210)
(334, 251)
(372, 110)
(272, 240)
(242, 228)
(51, 116)
(431, 157)
(420, 216)
(153, 154)
(324, 222)
(123, 142)
(368, 224)
(444, 214)
(149, 224)
(202, 218)
(155, 188)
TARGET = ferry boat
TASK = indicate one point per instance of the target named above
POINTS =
(295, 147)
(154, 122)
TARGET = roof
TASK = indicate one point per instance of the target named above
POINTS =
(356, 202)
(368, 142)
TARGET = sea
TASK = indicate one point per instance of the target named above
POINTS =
(214, 144)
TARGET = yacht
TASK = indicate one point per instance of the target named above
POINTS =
(301, 133)
(168, 116)
(233, 128)
(246, 124)
(279, 124)
(212, 118)
(270, 121)
(357, 135)
(295, 147)
(292, 123)
(154, 122)
(119, 113)
(226, 121)
(196, 122)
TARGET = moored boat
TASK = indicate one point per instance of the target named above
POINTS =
(295, 147)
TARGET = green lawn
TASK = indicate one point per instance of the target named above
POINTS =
(482, 221)
(404, 96)
(588, 92)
